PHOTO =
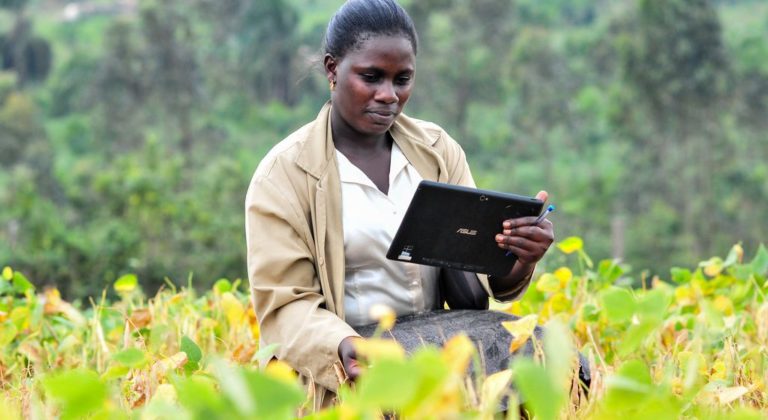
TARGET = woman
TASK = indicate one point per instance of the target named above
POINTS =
(325, 202)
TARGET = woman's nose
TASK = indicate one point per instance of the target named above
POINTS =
(386, 93)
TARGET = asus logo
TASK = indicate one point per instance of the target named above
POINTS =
(464, 231)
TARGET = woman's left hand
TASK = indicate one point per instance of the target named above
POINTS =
(525, 239)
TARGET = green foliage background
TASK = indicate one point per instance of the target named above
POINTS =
(131, 148)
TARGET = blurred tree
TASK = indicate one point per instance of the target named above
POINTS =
(29, 56)
(466, 43)
(172, 61)
(675, 60)
(122, 88)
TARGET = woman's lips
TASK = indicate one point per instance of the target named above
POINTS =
(382, 117)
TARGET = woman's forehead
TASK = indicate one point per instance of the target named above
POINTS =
(382, 48)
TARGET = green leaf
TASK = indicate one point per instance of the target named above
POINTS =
(8, 273)
(680, 275)
(629, 387)
(265, 353)
(559, 351)
(585, 258)
(199, 395)
(194, 354)
(221, 286)
(742, 271)
(191, 367)
(157, 335)
(635, 335)
(21, 284)
(654, 304)
(430, 373)
(8, 332)
(233, 384)
(79, 391)
(618, 303)
(538, 390)
(274, 398)
(608, 271)
(383, 386)
(713, 317)
(760, 262)
(115, 372)
(126, 283)
(132, 358)
(590, 313)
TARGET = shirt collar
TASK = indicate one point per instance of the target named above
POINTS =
(350, 173)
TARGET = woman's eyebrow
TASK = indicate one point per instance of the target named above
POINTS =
(380, 69)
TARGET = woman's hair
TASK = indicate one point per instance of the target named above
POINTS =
(358, 20)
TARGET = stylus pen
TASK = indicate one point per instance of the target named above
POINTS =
(541, 217)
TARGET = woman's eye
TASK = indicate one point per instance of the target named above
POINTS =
(403, 80)
(368, 77)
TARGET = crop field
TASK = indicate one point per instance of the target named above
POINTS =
(692, 345)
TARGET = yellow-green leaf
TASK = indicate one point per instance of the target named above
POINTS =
(564, 275)
(233, 309)
(494, 387)
(730, 394)
(548, 283)
(126, 283)
(457, 353)
(21, 284)
(7, 273)
(8, 332)
(374, 349)
(132, 357)
(712, 266)
(521, 330)
(571, 244)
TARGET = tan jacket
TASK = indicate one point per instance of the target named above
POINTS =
(296, 243)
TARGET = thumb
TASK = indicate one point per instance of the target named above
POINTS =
(542, 195)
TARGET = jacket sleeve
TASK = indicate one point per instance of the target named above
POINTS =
(460, 174)
(285, 289)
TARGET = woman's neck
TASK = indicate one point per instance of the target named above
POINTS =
(352, 142)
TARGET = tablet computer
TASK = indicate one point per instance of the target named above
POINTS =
(455, 227)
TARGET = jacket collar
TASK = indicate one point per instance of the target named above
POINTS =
(317, 151)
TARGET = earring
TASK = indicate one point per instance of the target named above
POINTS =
(333, 85)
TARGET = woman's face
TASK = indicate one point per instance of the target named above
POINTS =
(373, 83)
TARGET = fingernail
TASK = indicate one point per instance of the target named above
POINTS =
(499, 238)
(507, 224)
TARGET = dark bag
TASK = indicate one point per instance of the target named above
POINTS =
(484, 328)
(462, 289)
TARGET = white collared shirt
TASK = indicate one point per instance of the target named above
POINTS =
(370, 220)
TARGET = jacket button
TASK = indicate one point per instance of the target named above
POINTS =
(320, 260)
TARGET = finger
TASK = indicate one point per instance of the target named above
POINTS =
(352, 367)
(545, 224)
(541, 231)
(519, 242)
(536, 247)
(526, 251)
(519, 221)
(526, 256)
(542, 195)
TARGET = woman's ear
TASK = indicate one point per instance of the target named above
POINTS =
(329, 63)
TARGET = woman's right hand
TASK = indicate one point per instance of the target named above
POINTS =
(348, 357)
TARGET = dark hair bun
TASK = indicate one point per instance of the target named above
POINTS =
(358, 20)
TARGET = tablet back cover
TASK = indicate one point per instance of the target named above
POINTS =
(454, 227)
